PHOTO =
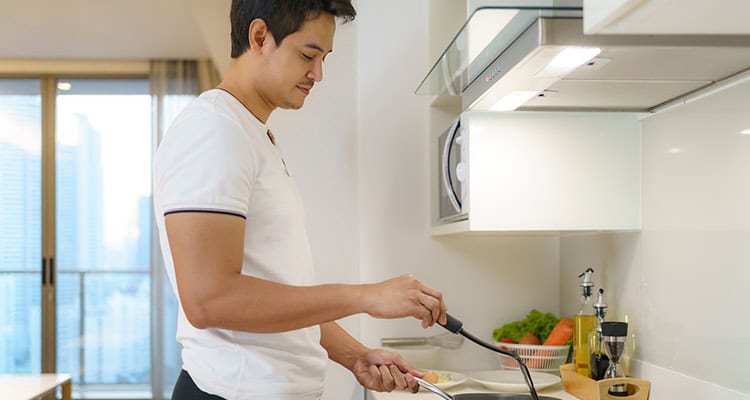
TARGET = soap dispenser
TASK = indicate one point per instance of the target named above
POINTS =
(598, 360)
(583, 324)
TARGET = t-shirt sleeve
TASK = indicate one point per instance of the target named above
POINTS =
(205, 163)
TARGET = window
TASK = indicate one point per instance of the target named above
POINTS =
(97, 242)
(20, 226)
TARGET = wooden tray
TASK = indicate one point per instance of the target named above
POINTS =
(586, 388)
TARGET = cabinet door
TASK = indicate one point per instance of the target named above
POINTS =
(551, 172)
(666, 17)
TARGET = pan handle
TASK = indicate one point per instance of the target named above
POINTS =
(432, 388)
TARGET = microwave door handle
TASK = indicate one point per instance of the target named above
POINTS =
(447, 185)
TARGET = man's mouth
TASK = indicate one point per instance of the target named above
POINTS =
(305, 90)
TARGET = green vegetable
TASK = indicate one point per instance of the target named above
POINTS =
(538, 323)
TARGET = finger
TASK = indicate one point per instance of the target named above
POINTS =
(424, 315)
(412, 383)
(386, 378)
(375, 379)
(433, 307)
(432, 292)
(443, 318)
(398, 377)
(407, 368)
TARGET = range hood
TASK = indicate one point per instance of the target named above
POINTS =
(507, 58)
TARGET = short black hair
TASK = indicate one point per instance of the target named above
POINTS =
(283, 17)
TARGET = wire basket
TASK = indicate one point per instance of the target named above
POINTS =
(536, 357)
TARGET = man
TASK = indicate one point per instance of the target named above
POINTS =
(252, 322)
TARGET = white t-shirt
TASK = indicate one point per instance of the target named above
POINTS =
(217, 157)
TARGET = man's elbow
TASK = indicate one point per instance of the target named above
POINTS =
(198, 315)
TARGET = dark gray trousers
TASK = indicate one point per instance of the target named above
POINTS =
(186, 389)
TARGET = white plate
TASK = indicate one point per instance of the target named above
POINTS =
(455, 379)
(512, 381)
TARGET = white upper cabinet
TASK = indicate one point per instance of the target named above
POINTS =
(538, 172)
(684, 17)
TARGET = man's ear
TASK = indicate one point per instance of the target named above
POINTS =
(257, 34)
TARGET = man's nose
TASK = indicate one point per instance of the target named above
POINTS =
(316, 73)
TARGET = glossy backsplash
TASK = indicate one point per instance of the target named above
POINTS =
(682, 281)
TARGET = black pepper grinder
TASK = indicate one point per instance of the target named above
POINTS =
(615, 334)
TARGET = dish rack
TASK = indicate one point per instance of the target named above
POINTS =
(536, 357)
(586, 388)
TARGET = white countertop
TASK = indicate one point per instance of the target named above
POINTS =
(469, 386)
(31, 386)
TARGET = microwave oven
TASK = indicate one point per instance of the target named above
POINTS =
(530, 171)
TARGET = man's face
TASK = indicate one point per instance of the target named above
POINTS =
(293, 67)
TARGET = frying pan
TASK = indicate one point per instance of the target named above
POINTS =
(477, 396)
(457, 327)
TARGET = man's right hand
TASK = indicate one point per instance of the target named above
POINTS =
(405, 296)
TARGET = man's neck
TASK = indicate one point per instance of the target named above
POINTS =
(244, 92)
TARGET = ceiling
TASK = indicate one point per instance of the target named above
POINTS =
(114, 29)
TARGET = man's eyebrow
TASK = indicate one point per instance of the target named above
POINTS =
(316, 47)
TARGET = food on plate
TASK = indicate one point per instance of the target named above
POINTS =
(538, 323)
(430, 376)
(437, 376)
(529, 338)
(561, 334)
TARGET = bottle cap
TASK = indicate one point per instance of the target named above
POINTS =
(600, 308)
(615, 328)
(586, 285)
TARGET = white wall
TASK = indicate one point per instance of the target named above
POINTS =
(486, 280)
(682, 281)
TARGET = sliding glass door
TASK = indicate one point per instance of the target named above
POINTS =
(77, 286)
(20, 226)
(103, 231)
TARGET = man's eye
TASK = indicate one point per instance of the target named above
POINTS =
(306, 57)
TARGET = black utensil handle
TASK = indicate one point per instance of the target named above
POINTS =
(456, 326)
(453, 325)
(521, 364)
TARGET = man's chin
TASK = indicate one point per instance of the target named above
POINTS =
(293, 106)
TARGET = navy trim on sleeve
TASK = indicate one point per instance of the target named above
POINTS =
(199, 210)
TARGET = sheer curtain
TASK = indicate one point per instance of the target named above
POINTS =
(174, 83)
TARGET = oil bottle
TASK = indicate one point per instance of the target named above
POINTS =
(583, 324)
(599, 361)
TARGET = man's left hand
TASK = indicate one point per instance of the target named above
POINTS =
(384, 371)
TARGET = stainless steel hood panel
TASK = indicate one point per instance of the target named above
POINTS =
(631, 73)
(662, 63)
(609, 95)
